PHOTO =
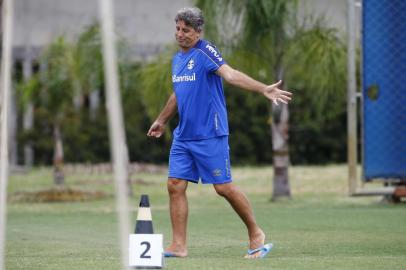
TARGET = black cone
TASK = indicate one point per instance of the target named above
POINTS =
(144, 218)
(144, 202)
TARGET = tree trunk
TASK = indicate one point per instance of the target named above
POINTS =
(94, 100)
(28, 120)
(12, 129)
(59, 176)
(28, 117)
(280, 147)
(78, 96)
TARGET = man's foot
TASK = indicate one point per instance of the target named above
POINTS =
(175, 251)
(257, 240)
(260, 252)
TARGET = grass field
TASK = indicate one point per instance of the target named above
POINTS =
(320, 228)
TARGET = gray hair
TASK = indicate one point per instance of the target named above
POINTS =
(192, 16)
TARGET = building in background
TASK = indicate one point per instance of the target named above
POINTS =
(146, 25)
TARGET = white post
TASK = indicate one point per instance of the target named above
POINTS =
(116, 127)
(4, 97)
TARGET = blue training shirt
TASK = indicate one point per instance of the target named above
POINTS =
(199, 93)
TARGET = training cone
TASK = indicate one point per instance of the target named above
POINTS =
(144, 217)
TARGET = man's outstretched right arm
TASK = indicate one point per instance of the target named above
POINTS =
(158, 127)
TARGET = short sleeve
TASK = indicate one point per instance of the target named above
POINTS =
(213, 58)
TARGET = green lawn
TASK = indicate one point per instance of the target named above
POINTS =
(320, 228)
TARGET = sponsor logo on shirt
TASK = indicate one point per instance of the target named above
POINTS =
(190, 64)
(214, 52)
(184, 78)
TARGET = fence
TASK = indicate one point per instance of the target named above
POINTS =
(384, 89)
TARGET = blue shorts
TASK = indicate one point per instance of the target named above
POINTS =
(208, 160)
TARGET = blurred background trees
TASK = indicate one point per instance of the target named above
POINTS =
(69, 94)
(270, 43)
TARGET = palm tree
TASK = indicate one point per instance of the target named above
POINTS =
(73, 70)
(58, 95)
(86, 66)
(299, 53)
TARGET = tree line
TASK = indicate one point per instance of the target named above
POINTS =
(311, 58)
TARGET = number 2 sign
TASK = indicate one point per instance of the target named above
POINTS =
(146, 250)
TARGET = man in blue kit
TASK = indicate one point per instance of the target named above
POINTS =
(200, 145)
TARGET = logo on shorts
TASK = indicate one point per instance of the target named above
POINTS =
(228, 168)
(217, 172)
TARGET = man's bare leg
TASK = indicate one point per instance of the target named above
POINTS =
(178, 207)
(241, 205)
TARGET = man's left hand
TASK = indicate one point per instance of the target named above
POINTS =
(272, 92)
